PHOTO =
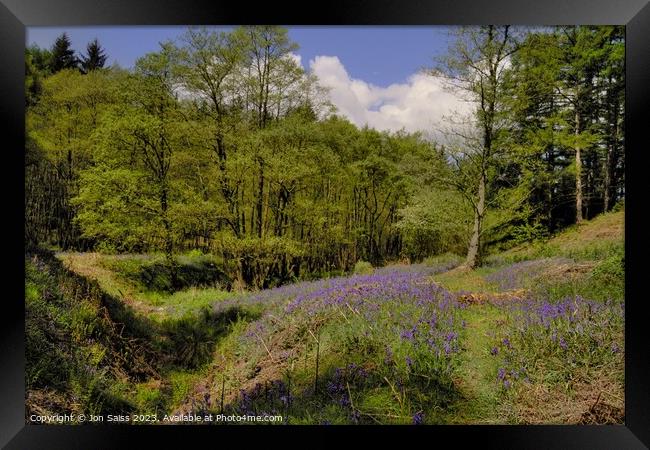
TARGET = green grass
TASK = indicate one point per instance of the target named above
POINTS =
(480, 397)
(120, 276)
(73, 351)
(180, 386)
(596, 239)
(186, 301)
(202, 348)
(467, 280)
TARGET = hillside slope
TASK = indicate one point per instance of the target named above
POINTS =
(536, 337)
(533, 336)
(78, 357)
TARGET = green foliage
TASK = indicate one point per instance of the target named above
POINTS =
(221, 160)
(150, 399)
(528, 233)
(192, 150)
(71, 346)
(434, 222)
(362, 267)
(191, 338)
(447, 258)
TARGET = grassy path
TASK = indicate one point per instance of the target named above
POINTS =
(88, 265)
(477, 383)
(478, 368)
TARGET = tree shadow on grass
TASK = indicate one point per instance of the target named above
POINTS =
(341, 395)
(75, 319)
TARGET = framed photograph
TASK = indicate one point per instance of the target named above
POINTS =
(406, 220)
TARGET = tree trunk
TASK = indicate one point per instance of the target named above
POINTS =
(169, 241)
(473, 252)
(579, 216)
(611, 150)
(229, 194)
(260, 200)
(608, 181)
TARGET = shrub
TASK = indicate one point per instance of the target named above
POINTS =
(362, 268)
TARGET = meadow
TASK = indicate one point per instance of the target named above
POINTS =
(534, 336)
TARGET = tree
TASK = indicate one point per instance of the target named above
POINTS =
(63, 56)
(37, 67)
(612, 72)
(222, 142)
(206, 67)
(577, 88)
(269, 51)
(569, 93)
(477, 68)
(95, 57)
(273, 70)
(60, 125)
(129, 195)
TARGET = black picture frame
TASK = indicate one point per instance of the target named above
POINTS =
(16, 15)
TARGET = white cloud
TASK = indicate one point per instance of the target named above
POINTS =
(416, 105)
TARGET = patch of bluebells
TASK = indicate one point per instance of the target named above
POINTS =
(364, 293)
(398, 308)
(402, 298)
(344, 381)
(574, 332)
(369, 291)
(516, 275)
(270, 398)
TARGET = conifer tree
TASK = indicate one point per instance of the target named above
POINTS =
(63, 56)
(95, 57)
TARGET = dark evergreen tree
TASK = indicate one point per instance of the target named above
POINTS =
(95, 57)
(63, 56)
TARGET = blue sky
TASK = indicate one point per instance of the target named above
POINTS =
(372, 72)
(379, 55)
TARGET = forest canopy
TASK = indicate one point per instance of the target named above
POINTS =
(220, 142)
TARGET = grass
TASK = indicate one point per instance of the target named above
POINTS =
(591, 266)
(467, 280)
(187, 301)
(119, 276)
(480, 397)
(76, 357)
(204, 351)
(592, 240)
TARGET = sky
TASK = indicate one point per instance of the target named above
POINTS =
(373, 72)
